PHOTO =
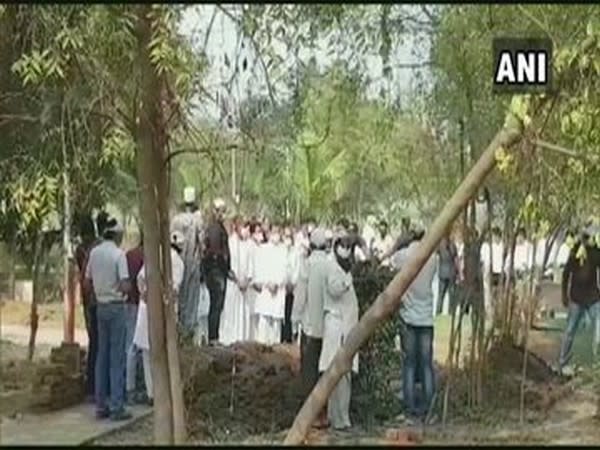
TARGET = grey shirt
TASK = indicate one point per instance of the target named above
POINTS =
(319, 264)
(106, 267)
(417, 304)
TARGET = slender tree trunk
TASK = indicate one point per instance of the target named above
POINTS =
(35, 276)
(12, 268)
(146, 166)
(178, 407)
(391, 298)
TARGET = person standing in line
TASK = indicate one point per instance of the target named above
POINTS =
(292, 268)
(301, 285)
(447, 272)
(257, 240)
(107, 275)
(311, 341)
(190, 223)
(140, 337)
(88, 300)
(341, 314)
(135, 261)
(216, 266)
(357, 244)
(581, 291)
(416, 333)
(271, 280)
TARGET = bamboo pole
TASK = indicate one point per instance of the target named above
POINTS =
(391, 298)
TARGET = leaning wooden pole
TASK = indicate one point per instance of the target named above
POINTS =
(390, 299)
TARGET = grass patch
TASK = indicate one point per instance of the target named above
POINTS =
(50, 314)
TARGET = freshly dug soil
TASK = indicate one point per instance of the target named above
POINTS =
(247, 387)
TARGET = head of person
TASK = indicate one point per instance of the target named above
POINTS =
(383, 228)
(342, 249)
(177, 241)
(266, 225)
(113, 231)
(101, 222)
(353, 229)
(590, 235)
(496, 233)
(318, 239)
(342, 225)
(418, 234)
(257, 233)
(219, 209)
(244, 230)
(329, 238)
(405, 224)
(189, 197)
(288, 236)
(275, 234)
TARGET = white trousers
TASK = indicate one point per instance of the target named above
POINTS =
(147, 373)
(338, 406)
(268, 330)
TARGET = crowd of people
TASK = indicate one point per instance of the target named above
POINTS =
(242, 279)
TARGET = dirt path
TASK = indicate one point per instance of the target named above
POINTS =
(46, 335)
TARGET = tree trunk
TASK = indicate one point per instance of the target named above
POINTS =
(35, 276)
(391, 298)
(175, 384)
(146, 167)
(12, 267)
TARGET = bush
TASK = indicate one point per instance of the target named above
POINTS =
(374, 398)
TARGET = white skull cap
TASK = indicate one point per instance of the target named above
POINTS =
(189, 194)
(219, 203)
(318, 237)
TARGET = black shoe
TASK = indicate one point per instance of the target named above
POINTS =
(121, 416)
(102, 413)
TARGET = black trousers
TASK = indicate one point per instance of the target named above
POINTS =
(286, 329)
(91, 326)
(310, 352)
(445, 285)
(216, 282)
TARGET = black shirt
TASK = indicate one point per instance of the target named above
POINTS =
(216, 245)
(584, 273)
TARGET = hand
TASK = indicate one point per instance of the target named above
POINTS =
(231, 276)
(565, 301)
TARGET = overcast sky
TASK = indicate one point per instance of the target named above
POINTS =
(224, 40)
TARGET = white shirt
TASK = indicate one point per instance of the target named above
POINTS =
(107, 266)
(417, 305)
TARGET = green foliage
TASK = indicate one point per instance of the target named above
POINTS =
(374, 398)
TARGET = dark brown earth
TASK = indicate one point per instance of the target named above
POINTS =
(251, 388)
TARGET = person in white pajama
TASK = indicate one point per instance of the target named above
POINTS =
(271, 277)
(341, 314)
(140, 337)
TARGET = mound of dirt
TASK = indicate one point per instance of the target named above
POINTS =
(247, 387)
(509, 359)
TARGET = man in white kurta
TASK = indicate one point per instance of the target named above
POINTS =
(271, 274)
(340, 315)
(235, 323)
(140, 337)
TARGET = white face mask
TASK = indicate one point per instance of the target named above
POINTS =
(287, 241)
(275, 238)
(343, 252)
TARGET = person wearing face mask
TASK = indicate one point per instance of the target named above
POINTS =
(292, 269)
(235, 322)
(270, 283)
(301, 282)
(255, 244)
(340, 315)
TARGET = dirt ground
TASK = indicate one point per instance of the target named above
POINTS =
(256, 402)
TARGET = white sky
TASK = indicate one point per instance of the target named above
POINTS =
(224, 40)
